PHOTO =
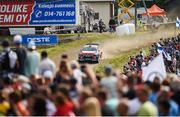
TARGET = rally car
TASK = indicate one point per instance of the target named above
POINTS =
(90, 53)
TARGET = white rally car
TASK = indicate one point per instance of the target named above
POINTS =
(90, 53)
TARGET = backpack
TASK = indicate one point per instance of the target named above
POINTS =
(8, 61)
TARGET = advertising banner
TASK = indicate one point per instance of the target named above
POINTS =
(40, 39)
(37, 12)
(22, 31)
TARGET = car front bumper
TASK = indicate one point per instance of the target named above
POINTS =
(84, 59)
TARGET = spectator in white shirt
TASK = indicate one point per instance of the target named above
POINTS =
(46, 64)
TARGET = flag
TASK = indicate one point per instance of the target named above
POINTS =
(160, 50)
(155, 68)
(177, 22)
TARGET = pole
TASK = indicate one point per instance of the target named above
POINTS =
(135, 15)
(146, 10)
(175, 31)
(147, 15)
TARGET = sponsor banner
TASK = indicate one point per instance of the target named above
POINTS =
(37, 12)
(22, 31)
(40, 39)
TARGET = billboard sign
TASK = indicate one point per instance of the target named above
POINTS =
(38, 12)
(40, 39)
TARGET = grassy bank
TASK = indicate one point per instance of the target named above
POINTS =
(119, 61)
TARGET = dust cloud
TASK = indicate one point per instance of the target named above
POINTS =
(118, 45)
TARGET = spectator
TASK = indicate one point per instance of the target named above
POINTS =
(47, 30)
(64, 74)
(21, 54)
(50, 106)
(32, 61)
(63, 108)
(89, 78)
(110, 82)
(164, 108)
(4, 105)
(77, 74)
(48, 78)
(112, 25)
(123, 108)
(8, 59)
(17, 108)
(46, 64)
(174, 108)
(155, 87)
(102, 97)
(91, 107)
(147, 108)
(39, 105)
(100, 25)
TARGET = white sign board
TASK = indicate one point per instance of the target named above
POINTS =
(22, 31)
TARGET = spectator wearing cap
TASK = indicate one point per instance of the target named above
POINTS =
(46, 64)
(109, 81)
(21, 54)
(48, 77)
(32, 60)
(77, 73)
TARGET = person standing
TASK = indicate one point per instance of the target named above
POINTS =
(21, 54)
(147, 108)
(46, 64)
(32, 60)
(112, 25)
(109, 82)
(100, 25)
(8, 59)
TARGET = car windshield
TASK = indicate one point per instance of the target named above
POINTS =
(89, 49)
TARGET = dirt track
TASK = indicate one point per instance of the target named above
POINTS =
(116, 46)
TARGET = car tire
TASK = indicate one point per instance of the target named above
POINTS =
(97, 61)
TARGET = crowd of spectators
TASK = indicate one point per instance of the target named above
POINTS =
(169, 47)
(31, 84)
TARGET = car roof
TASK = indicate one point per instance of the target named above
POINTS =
(95, 45)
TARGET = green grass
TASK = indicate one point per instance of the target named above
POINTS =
(119, 61)
(6, 38)
(67, 35)
(85, 38)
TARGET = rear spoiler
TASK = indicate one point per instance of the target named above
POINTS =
(92, 44)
